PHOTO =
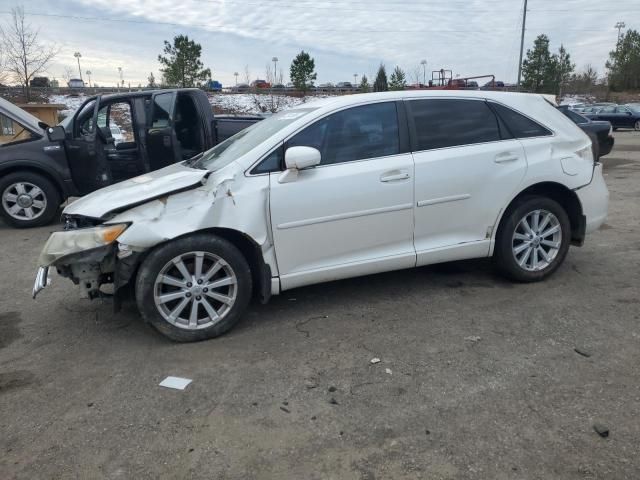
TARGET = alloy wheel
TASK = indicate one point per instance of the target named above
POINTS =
(536, 240)
(24, 201)
(195, 290)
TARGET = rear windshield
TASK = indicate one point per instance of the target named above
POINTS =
(244, 141)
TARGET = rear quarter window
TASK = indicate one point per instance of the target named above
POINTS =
(519, 125)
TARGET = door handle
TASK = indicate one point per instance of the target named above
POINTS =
(506, 157)
(394, 176)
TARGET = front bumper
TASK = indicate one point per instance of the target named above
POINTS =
(42, 281)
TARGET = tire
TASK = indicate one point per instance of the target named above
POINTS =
(636, 126)
(28, 199)
(513, 242)
(167, 299)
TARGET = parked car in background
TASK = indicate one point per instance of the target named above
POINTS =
(600, 131)
(344, 86)
(75, 83)
(620, 116)
(214, 86)
(42, 166)
(260, 84)
(278, 86)
(40, 82)
(343, 187)
(241, 87)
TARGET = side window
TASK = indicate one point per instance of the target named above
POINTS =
(162, 105)
(11, 131)
(84, 120)
(519, 125)
(120, 122)
(622, 110)
(369, 131)
(575, 117)
(451, 122)
(272, 163)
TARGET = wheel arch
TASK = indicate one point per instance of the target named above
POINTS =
(6, 169)
(566, 197)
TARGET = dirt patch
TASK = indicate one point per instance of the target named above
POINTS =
(612, 162)
(9, 331)
(15, 379)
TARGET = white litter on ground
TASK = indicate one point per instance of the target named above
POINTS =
(473, 338)
(176, 383)
(388, 370)
(375, 360)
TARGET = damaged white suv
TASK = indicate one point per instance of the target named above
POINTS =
(337, 188)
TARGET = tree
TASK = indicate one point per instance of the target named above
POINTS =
(25, 55)
(536, 66)
(364, 84)
(397, 81)
(151, 81)
(543, 72)
(624, 63)
(181, 65)
(584, 81)
(380, 84)
(302, 72)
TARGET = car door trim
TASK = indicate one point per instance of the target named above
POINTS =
(344, 216)
(436, 201)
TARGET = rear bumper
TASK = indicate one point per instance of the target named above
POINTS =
(595, 200)
(606, 146)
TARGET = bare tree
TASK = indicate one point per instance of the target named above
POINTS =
(272, 101)
(416, 74)
(25, 55)
(67, 74)
(3, 72)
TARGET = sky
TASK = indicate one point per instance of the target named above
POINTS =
(469, 37)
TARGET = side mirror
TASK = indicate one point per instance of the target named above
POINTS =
(296, 159)
(56, 134)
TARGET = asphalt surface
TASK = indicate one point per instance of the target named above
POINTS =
(484, 380)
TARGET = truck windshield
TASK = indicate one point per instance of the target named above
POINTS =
(242, 142)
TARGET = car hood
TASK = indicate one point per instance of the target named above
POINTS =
(19, 115)
(136, 191)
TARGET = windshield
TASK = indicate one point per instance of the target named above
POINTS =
(242, 142)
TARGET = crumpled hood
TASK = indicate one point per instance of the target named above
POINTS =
(136, 191)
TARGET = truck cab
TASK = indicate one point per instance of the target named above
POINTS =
(108, 139)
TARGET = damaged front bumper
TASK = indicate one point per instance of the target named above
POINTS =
(87, 256)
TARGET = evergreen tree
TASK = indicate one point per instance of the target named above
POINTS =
(624, 62)
(562, 69)
(398, 80)
(182, 66)
(302, 72)
(151, 81)
(536, 66)
(380, 84)
(364, 85)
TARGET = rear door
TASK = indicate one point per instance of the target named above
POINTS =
(162, 144)
(466, 170)
(85, 147)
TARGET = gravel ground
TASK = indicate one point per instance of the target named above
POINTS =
(483, 379)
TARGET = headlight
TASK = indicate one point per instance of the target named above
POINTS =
(65, 243)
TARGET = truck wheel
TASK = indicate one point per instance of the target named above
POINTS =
(28, 199)
(194, 288)
(533, 239)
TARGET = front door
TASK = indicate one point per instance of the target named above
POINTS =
(162, 144)
(352, 214)
(85, 148)
(123, 153)
(466, 172)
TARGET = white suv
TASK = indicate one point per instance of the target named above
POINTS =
(332, 189)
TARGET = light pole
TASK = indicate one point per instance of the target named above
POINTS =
(619, 26)
(355, 79)
(524, 23)
(88, 72)
(275, 71)
(424, 72)
(121, 78)
(236, 75)
(78, 55)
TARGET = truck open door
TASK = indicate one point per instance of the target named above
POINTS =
(85, 147)
(162, 143)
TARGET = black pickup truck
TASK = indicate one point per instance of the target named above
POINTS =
(108, 139)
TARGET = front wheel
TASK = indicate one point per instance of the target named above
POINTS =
(28, 199)
(533, 239)
(194, 288)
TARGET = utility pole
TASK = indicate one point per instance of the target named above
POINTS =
(619, 26)
(275, 71)
(236, 75)
(424, 72)
(78, 55)
(355, 79)
(88, 72)
(524, 22)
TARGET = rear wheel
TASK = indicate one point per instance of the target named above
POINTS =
(533, 239)
(636, 126)
(194, 288)
(28, 199)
